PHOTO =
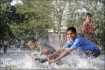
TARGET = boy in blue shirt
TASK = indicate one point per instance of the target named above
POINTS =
(76, 42)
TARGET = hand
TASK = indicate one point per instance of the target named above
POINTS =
(51, 61)
(31, 55)
(49, 56)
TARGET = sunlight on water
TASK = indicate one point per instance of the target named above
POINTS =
(23, 61)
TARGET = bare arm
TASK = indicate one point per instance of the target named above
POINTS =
(61, 56)
(58, 51)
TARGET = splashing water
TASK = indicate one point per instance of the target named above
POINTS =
(23, 61)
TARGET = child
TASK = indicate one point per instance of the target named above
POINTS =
(75, 42)
(39, 48)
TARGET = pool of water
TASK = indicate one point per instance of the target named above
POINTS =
(21, 60)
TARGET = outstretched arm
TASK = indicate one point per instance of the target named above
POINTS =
(62, 55)
(58, 51)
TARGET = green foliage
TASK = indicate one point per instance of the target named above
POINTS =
(37, 19)
(5, 31)
(25, 21)
(100, 30)
(5, 1)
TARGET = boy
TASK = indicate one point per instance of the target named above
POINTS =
(76, 42)
(88, 28)
(40, 48)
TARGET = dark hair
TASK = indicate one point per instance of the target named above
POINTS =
(88, 14)
(71, 28)
(33, 40)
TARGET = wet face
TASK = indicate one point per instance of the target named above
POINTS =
(32, 45)
(71, 35)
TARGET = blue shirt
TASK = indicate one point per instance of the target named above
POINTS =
(81, 43)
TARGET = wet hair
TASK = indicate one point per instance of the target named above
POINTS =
(33, 40)
(71, 28)
(88, 14)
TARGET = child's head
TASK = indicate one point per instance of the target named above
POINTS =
(88, 16)
(71, 33)
(32, 43)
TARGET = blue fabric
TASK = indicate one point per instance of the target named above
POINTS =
(81, 43)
